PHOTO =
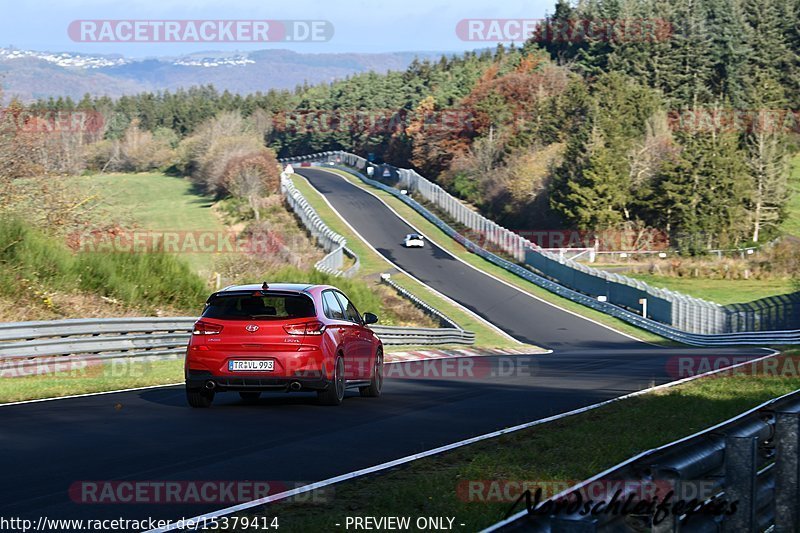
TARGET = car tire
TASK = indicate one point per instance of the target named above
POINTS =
(373, 390)
(334, 394)
(250, 397)
(200, 398)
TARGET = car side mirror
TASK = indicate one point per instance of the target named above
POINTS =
(369, 318)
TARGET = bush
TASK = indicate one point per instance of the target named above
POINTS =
(777, 261)
(227, 156)
(28, 254)
(138, 151)
(148, 281)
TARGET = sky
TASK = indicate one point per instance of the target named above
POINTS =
(359, 25)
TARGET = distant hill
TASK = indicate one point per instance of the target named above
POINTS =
(30, 74)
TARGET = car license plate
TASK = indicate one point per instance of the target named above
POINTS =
(251, 365)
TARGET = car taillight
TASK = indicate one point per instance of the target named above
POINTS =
(206, 328)
(314, 327)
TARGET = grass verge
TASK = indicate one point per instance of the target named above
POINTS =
(84, 378)
(444, 241)
(372, 264)
(35, 265)
(721, 291)
(598, 439)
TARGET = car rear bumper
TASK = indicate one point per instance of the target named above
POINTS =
(199, 379)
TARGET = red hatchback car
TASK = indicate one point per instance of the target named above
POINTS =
(282, 337)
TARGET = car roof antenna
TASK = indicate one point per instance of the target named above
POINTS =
(264, 286)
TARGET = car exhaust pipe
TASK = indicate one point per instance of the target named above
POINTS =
(210, 385)
(295, 386)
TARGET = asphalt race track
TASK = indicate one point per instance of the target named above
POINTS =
(152, 435)
(524, 318)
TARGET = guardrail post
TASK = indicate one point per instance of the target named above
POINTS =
(670, 476)
(787, 470)
(740, 482)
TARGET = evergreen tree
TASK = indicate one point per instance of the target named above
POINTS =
(702, 193)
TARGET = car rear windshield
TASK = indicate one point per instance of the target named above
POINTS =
(258, 306)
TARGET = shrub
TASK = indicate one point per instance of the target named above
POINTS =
(148, 281)
(138, 151)
(227, 156)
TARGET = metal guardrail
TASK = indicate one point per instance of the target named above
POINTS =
(22, 331)
(329, 240)
(28, 342)
(399, 336)
(752, 459)
(758, 338)
(336, 244)
(513, 244)
(444, 320)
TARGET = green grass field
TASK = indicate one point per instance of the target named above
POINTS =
(721, 291)
(598, 439)
(155, 201)
(16, 385)
(792, 224)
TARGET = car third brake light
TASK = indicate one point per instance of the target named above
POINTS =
(314, 327)
(206, 328)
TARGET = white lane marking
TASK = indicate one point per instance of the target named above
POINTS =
(409, 458)
(363, 188)
(434, 291)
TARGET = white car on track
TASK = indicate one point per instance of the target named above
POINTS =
(413, 240)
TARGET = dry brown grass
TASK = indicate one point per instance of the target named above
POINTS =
(772, 262)
(405, 313)
(59, 305)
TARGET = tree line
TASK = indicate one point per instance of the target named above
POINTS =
(687, 129)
